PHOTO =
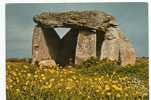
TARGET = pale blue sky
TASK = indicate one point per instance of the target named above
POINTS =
(132, 17)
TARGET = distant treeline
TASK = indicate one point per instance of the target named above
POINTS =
(142, 57)
(19, 60)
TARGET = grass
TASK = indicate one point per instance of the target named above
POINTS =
(91, 80)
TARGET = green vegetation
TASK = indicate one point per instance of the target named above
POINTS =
(91, 80)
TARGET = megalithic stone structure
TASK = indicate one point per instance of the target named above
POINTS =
(93, 33)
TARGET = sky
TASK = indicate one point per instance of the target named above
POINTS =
(132, 18)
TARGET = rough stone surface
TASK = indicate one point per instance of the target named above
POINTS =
(127, 53)
(110, 49)
(117, 47)
(52, 40)
(47, 62)
(43, 48)
(85, 19)
(93, 33)
(86, 46)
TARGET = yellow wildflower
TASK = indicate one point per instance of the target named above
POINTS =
(117, 88)
(89, 97)
(108, 93)
(61, 79)
(28, 74)
(118, 95)
(50, 85)
(43, 78)
(42, 75)
(68, 88)
(99, 87)
(97, 90)
(107, 87)
(74, 77)
(95, 79)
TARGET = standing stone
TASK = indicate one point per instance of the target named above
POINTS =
(86, 46)
(127, 53)
(35, 44)
(110, 46)
(110, 50)
(52, 41)
(117, 47)
(40, 49)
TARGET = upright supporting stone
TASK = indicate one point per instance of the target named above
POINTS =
(40, 49)
(110, 50)
(110, 46)
(127, 53)
(117, 47)
(86, 46)
(52, 40)
(35, 44)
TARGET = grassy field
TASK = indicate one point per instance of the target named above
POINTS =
(91, 80)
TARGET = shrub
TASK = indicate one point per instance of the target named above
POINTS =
(105, 66)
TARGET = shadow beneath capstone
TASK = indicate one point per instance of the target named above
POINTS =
(99, 41)
(62, 50)
(67, 48)
(52, 40)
